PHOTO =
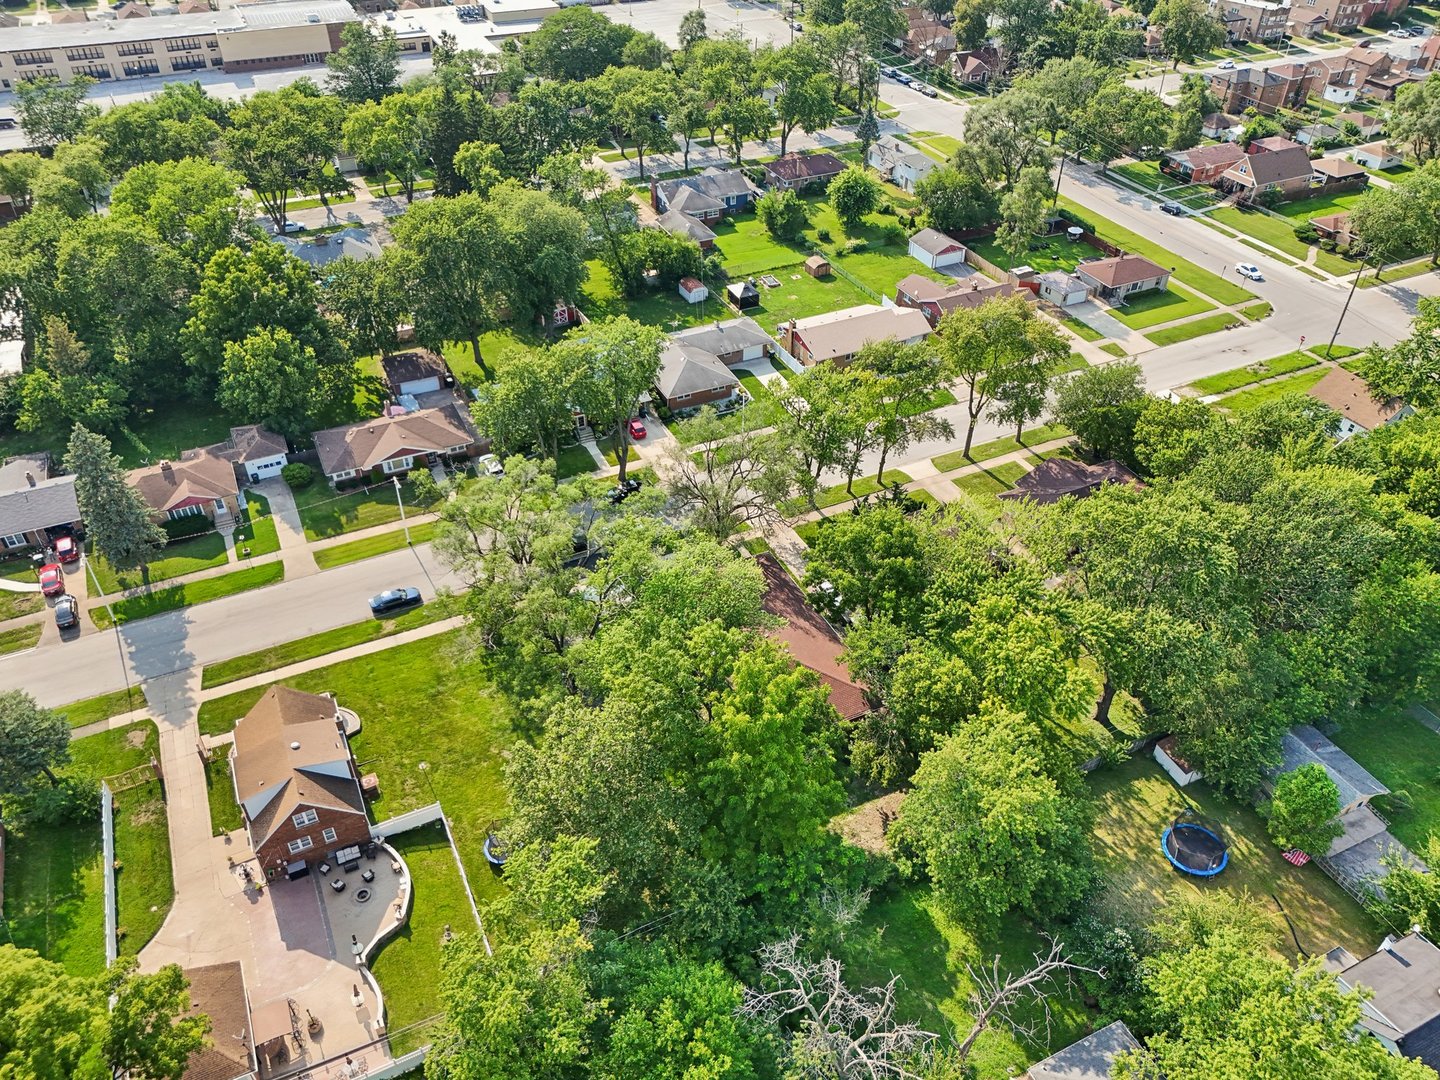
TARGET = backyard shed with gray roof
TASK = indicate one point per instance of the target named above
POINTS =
(1305, 745)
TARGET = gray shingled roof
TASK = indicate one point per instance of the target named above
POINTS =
(720, 338)
(688, 370)
(1092, 1058)
(682, 224)
(47, 504)
(1304, 745)
(1405, 977)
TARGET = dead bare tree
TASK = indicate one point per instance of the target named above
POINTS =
(840, 1034)
(843, 907)
(996, 994)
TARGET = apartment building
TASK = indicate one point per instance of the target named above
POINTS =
(1251, 20)
(1284, 86)
(1340, 15)
(253, 37)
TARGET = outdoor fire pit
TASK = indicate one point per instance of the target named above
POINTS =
(361, 895)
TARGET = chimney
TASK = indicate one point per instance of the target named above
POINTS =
(30, 478)
(166, 468)
(654, 195)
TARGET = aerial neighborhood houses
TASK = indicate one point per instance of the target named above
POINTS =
(1120, 276)
(34, 505)
(207, 480)
(392, 445)
(900, 163)
(1349, 395)
(837, 336)
(936, 299)
(695, 365)
(1274, 164)
(798, 172)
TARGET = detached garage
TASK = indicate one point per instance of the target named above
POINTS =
(416, 372)
(935, 250)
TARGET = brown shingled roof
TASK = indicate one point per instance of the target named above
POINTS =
(1056, 477)
(199, 476)
(218, 991)
(812, 641)
(365, 445)
(1349, 395)
(1125, 269)
(796, 166)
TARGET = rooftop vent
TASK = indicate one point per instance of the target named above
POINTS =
(294, 746)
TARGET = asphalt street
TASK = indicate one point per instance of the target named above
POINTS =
(178, 640)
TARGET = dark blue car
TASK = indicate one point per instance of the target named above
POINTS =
(393, 600)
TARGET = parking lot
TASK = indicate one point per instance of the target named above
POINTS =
(758, 23)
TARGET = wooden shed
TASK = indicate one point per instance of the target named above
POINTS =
(817, 266)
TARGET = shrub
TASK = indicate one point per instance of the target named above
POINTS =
(71, 800)
(783, 213)
(853, 247)
(823, 235)
(895, 234)
(1306, 233)
(1075, 219)
(186, 527)
(298, 475)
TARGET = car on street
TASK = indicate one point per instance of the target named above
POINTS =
(289, 228)
(636, 428)
(887, 71)
(1226, 65)
(903, 79)
(394, 600)
(67, 612)
(490, 464)
(1174, 209)
(66, 549)
(929, 91)
(620, 492)
(1249, 270)
(799, 29)
(52, 579)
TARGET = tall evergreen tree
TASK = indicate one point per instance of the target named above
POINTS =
(115, 515)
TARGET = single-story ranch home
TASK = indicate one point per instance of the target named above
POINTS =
(1122, 275)
(690, 377)
(1349, 395)
(713, 194)
(32, 502)
(394, 444)
(795, 171)
(837, 336)
(201, 482)
(937, 299)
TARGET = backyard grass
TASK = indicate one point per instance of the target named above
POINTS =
(1136, 801)
(573, 461)
(157, 433)
(1245, 400)
(257, 528)
(834, 496)
(1198, 328)
(407, 964)
(20, 638)
(92, 710)
(423, 701)
(342, 637)
(194, 592)
(220, 790)
(1155, 307)
(370, 546)
(1211, 285)
(181, 557)
(1235, 378)
(323, 513)
(1404, 755)
(956, 459)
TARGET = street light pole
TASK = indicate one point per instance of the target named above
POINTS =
(1330, 349)
(400, 501)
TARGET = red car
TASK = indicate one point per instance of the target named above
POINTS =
(637, 429)
(66, 550)
(52, 580)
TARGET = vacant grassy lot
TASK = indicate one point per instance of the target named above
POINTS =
(1235, 378)
(92, 710)
(342, 637)
(1136, 801)
(1280, 232)
(1404, 755)
(370, 546)
(195, 592)
(956, 459)
(1155, 307)
(325, 513)
(408, 965)
(180, 557)
(1197, 328)
(1259, 395)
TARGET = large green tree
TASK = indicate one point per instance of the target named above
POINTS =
(116, 517)
(615, 360)
(1102, 405)
(52, 112)
(181, 121)
(1187, 29)
(1409, 369)
(366, 67)
(1415, 119)
(271, 379)
(1304, 810)
(34, 742)
(282, 141)
(577, 43)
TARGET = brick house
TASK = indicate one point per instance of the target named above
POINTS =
(1284, 86)
(1201, 164)
(296, 782)
(796, 171)
(975, 67)
(1251, 20)
(1340, 15)
(32, 502)
(690, 377)
(1270, 164)
(201, 482)
(1349, 395)
(836, 336)
(395, 444)
(1122, 276)
(731, 341)
(811, 640)
(936, 300)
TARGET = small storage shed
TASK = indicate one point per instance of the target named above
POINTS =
(1062, 289)
(1168, 757)
(693, 290)
(817, 266)
(742, 295)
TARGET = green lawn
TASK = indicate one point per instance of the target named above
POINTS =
(762, 411)
(342, 637)
(370, 546)
(156, 433)
(1084, 331)
(92, 710)
(195, 592)
(408, 965)
(1203, 281)
(181, 557)
(1046, 253)
(573, 461)
(324, 513)
(1198, 328)
(956, 459)
(424, 701)
(20, 638)
(256, 530)
(747, 248)
(834, 496)
(1235, 378)
(1259, 395)
(1136, 801)
(1155, 307)
(1404, 755)
(1114, 349)
(54, 883)
(15, 604)
(984, 485)
(1280, 232)
(220, 790)
(1257, 311)
(608, 449)
(657, 307)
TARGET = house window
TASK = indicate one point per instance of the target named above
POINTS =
(304, 818)
(184, 511)
(455, 449)
(15, 540)
(343, 474)
(398, 464)
(89, 52)
(297, 846)
(220, 505)
(133, 68)
(328, 836)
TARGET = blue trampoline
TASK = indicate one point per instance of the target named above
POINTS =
(1195, 845)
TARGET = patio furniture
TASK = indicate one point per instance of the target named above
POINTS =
(395, 865)
(324, 869)
(338, 884)
(368, 875)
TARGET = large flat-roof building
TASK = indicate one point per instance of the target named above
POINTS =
(252, 37)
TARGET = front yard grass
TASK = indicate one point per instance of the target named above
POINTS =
(15, 604)
(956, 459)
(102, 707)
(1235, 378)
(1084, 331)
(370, 546)
(220, 790)
(1115, 349)
(328, 641)
(573, 461)
(256, 530)
(1257, 311)
(986, 484)
(834, 496)
(324, 513)
(194, 592)
(1136, 801)
(1245, 400)
(1404, 755)
(1280, 233)
(20, 638)
(762, 411)
(1155, 307)
(407, 965)
(181, 557)
(1170, 335)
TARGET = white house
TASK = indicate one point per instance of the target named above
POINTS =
(693, 290)
(1062, 289)
(935, 249)
(1378, 155)
(1341, 95)
(900, 163)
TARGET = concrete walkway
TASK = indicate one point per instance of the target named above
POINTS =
(294, 548)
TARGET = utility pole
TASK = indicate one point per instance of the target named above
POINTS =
(115, 625)
(1330, 349)
(400, 501)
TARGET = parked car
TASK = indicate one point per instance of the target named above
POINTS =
(797, 28)
(636, 429)
(67, 612)
(1249, 270)
(1174, 209)
(929, 91)
(52, 580)
(394, 600)
(490, 464)
(66, 549)
(1226, 65)
(620, 492)
(887, 71)
(289, 228)
(903, 79)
